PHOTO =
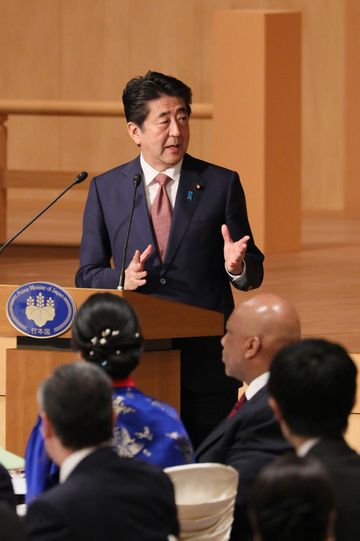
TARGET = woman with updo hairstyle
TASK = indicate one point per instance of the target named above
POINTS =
(106, 332)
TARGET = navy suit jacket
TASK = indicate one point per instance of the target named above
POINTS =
(343, 466)
(106, 498)
(193, 269)
(248, 441)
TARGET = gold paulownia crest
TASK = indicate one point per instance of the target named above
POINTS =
(40, 313)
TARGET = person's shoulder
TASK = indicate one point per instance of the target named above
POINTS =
(336, 450)
(202, 166)
(119, 172)
(256, 414)
(105, 459)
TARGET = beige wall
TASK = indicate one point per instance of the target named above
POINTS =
(88, 49)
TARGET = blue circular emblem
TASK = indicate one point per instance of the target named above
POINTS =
(40, 309)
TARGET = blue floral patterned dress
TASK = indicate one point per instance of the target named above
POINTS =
(145, 429)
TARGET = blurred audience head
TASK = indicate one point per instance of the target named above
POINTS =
(292, 500)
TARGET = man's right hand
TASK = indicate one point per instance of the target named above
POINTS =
(135, 275)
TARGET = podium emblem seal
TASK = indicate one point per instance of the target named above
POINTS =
(40, 309)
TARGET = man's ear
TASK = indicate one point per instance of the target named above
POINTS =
(134, 132)
(47, 427)
(275, 408)
(252, 347)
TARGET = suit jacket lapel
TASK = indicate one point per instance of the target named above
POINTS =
(226, 424)
(141, 219)
(188, 196)
(215, 435)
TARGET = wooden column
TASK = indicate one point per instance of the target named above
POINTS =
(257, 127)
(3, 155)
(352, 109)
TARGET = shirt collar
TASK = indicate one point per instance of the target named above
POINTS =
(306, 446)
(150, 173)
(72, 461)
(256, 384)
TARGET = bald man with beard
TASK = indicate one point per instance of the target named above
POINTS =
(250, 437)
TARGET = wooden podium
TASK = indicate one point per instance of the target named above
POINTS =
(25, 362)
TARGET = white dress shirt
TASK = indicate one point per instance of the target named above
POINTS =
(72, 461)
(306, 446)
(152, 187)
(256, 384)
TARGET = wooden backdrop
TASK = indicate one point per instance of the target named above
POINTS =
(88, 49)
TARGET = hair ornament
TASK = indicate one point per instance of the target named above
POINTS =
(137, 335)
(104, 335)
(91, 353)
(104, 363)
(118, 351)
(106, 332)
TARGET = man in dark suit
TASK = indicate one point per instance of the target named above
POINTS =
(100, 495)
(312, 389)
(6, 489)
(208, 245)
(250, 437)
(11, 528)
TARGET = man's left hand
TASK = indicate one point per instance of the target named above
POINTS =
(234, 252)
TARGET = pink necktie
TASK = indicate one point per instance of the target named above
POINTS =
(161, 213)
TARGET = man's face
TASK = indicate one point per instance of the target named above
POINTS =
(164, 135)
(233, 354)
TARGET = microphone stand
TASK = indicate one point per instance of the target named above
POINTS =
(136, 182)
(80, 178)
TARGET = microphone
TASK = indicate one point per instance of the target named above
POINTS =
(136, 182)
(80, 178)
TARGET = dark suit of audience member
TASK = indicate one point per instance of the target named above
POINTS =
(250, 437)
(100, 496)
(343, 466)
(11, 529)
(6, 489)
(248, 440)
(105, 498)
(312, 387)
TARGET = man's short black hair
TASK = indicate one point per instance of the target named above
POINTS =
(77, 399)
(314, 385)
(139, 91)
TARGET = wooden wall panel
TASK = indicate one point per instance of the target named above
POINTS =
(323, 102)
(352, 108)
(88, 49)
(256, 124)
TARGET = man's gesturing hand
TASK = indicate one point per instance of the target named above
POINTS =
(135, 275)
(234, 252)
